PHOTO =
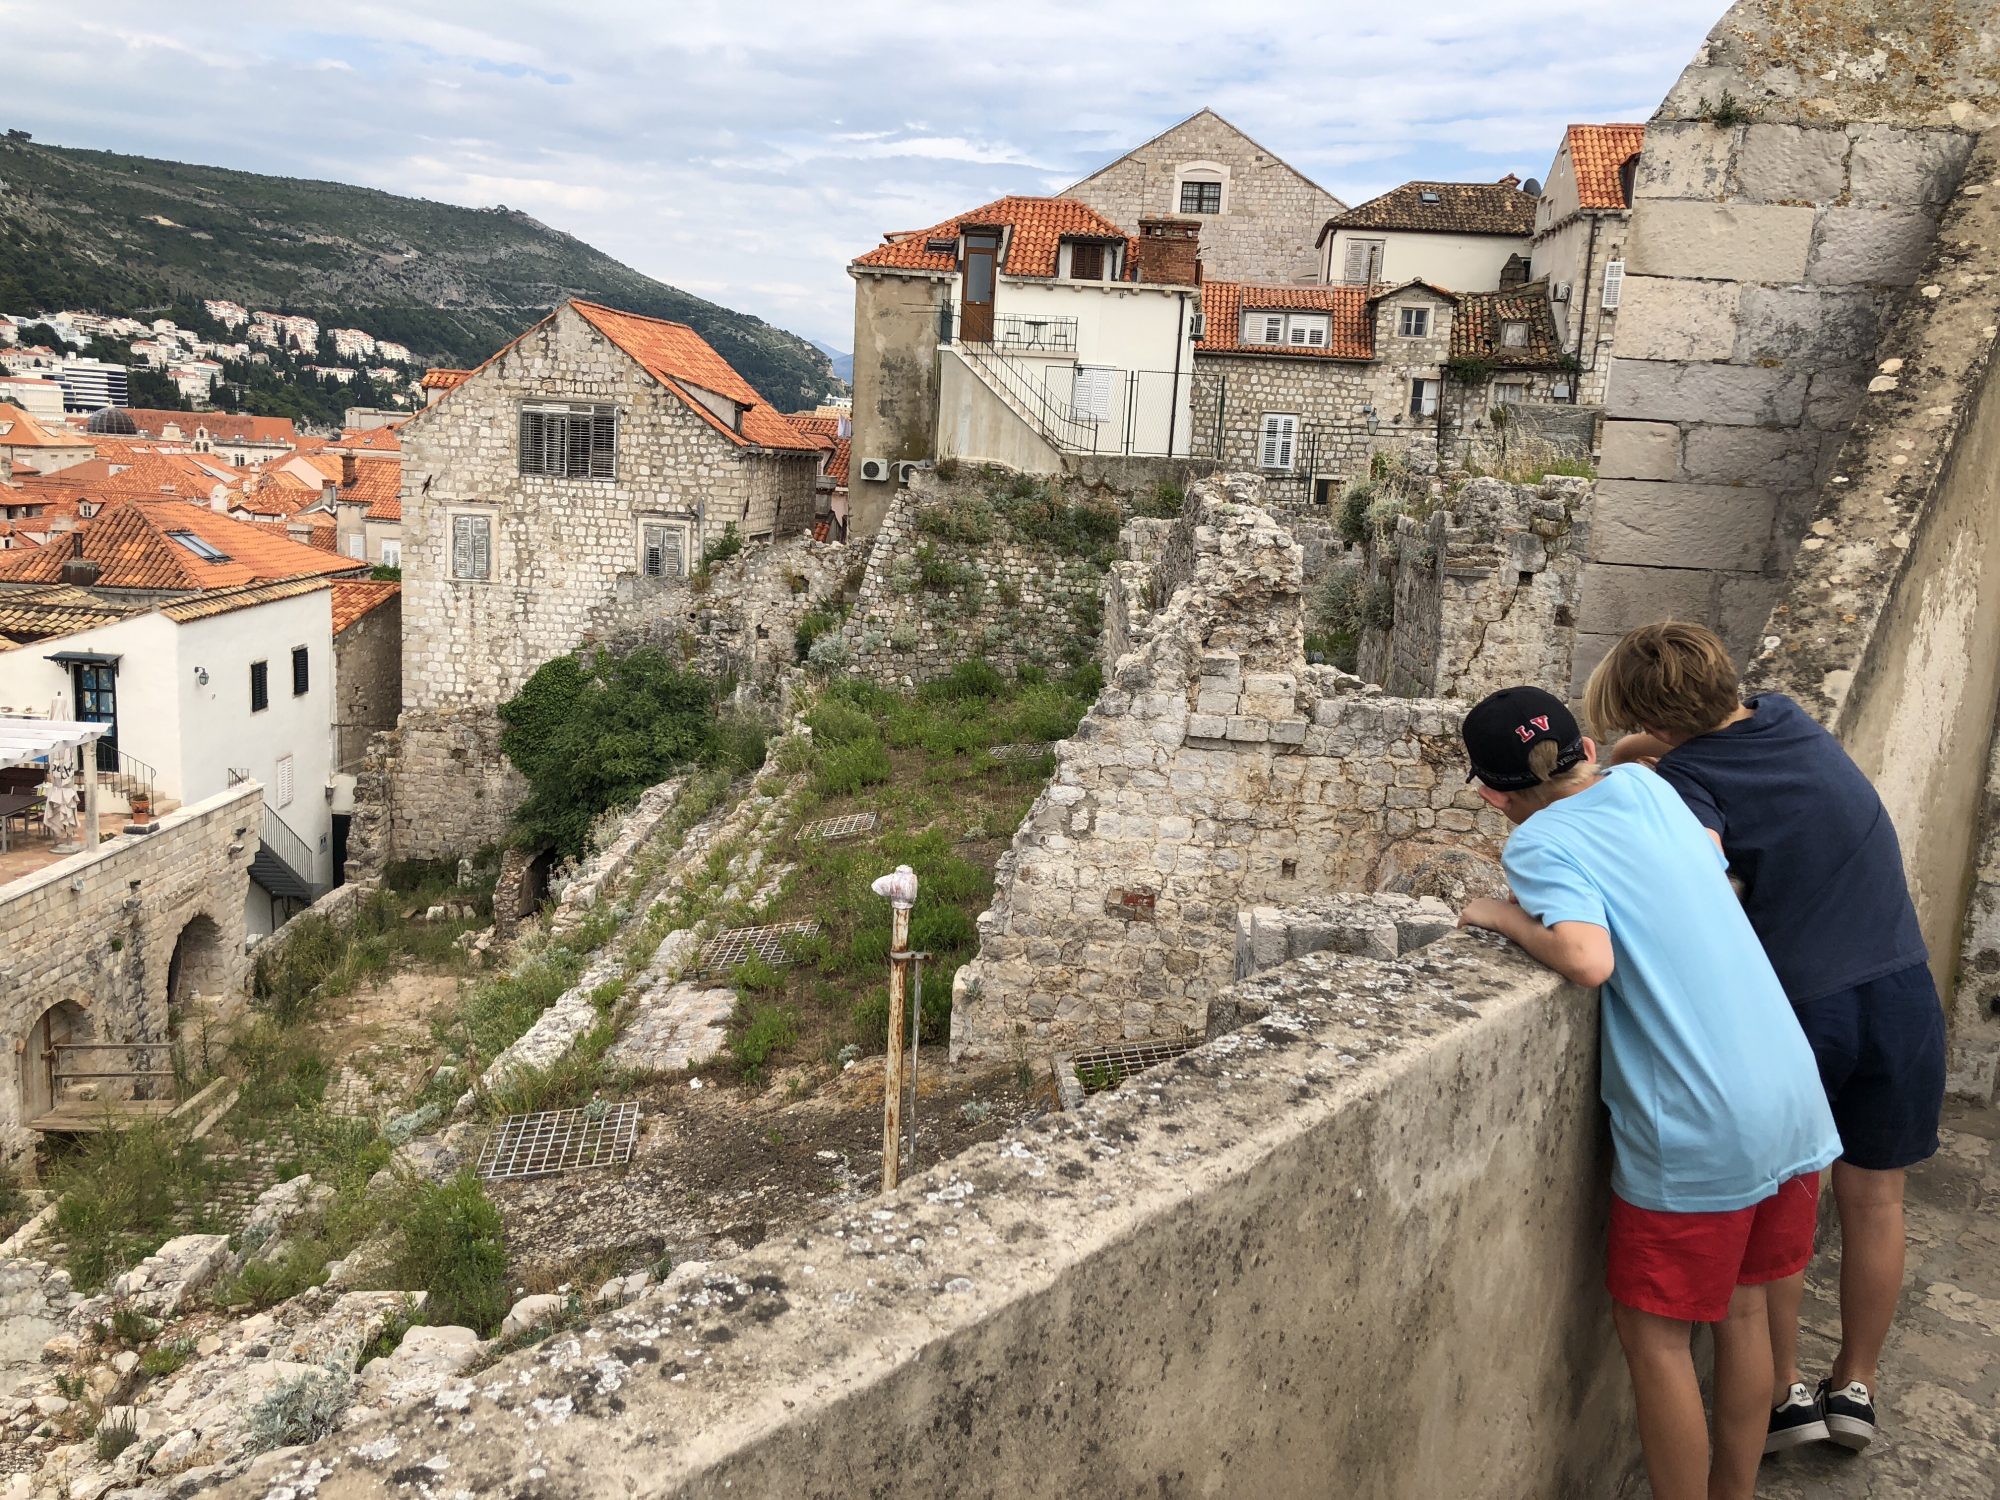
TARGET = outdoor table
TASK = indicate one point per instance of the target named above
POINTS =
(12, 805)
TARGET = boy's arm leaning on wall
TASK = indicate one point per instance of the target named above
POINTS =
(1579, 951)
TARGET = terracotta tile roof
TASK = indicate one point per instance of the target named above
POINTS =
(1350, 336)
(443, 380)
(1597, 155)
(369, 439)
(353, 598)
(37, 612)
(225, 601)
(135, 546)
(676, 356)
(1476, 331)
(824, 431)
(20, 430)
(1460, 208)
(378, 483)
(1039, 225)
(836, 467)
(220, 424)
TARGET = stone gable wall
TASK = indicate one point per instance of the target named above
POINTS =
(1272, 216)
(1216, 771)
(367, 681)
(98, 931)
(561, 547)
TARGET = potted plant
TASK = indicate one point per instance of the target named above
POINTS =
(142, 807)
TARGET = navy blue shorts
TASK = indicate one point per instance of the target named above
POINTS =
(1880, 1048)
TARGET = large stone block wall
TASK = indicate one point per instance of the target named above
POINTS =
(1886, 631)
(367, 681)
(434, 787)
(1486, 590)
(560, 546)
(1271, 215)
(1016, 604)
(1283, 1257)
(97, 931)
(1787, 196)
(1215, 772)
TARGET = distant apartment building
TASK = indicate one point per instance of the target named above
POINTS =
(394, 352)
(1260, 216)
(230, 315)
(352, 343)
(92, 384)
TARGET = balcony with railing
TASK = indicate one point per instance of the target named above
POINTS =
(1013, 333)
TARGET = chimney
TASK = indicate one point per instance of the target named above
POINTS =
(77, 568)
(1168, 251)
(349, 470)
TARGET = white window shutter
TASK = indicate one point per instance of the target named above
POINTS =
(1090, 391)
(1614, 285)
(1356, 267)
(284, 779)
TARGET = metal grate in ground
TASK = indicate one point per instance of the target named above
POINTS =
(560, 1140)
(1081, 1074)
(847, 826)
(776, 945)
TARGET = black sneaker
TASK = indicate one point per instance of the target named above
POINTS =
(1796, 1419)
(1850, 1414)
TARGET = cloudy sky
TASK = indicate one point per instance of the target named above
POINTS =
(746, 151)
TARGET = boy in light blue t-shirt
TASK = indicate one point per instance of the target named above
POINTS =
(1719, 1125)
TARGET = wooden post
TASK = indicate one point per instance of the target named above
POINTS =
(892, 1082)
(90, 794)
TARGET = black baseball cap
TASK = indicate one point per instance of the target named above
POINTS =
(1502, 729)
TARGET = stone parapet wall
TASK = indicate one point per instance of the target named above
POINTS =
(1215, 772)
(434, 787)
(1787, 196)
(1258, 1265)
(97, 932)
(1486, 591)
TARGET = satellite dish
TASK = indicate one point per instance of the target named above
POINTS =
(1532, 188)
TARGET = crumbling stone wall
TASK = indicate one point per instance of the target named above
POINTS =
(1787, 196)
(1216, 771)
(1016, 603)
(1485, 591)
(367, 681)
(98, 931)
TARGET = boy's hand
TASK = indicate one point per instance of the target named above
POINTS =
(1487, 912)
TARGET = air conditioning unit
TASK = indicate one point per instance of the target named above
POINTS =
(905, 472)
(1559, 292)
(874, 470)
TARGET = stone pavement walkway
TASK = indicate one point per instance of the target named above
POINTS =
(1940, 1396)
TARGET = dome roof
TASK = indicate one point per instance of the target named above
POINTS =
(112, 421)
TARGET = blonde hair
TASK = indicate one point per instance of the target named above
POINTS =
(1674, 676)
(1553, 784)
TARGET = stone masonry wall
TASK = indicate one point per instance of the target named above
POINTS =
(1016, 603)
(1271, 215)
(1787, 195)
(1216, 771)
(97, 931)
(367, 681)
(1485, 591)
(561, 547)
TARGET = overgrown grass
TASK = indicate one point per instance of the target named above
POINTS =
(455, 1250)
(123, 1194)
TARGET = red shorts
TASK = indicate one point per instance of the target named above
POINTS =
(1687, 1266)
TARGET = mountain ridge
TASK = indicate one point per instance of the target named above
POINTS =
(119, 234)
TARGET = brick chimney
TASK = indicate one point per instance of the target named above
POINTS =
(76, 568)
(1168, 251)
(349, 470)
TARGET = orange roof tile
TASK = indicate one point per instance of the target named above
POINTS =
(139, 544)
(1475, 331)
(381, 439)
(1597, 155)
(20, 430)
(1444, 208)
(1039, 225)
(1351, 332)
(228, 426)
(224, 601)
(443, 380)
(355, 597)
(676, 356)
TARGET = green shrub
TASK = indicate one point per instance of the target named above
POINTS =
(302, 1410)
(812, 626)
(1163, 502)
(122, 1196)
(845, 769)
(265, 1283)
(834, 721)
(757, 976)
(973, 680)
(113, 1438)
(162, 1360)
(724, 547)
(770, 1027)
(455, 1250)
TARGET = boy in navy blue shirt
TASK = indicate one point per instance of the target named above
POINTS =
(1822, 882)
(1718, 1126)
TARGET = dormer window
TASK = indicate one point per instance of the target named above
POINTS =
(942, 247)
(1086, 262)
(1414, 322)
(1293, 330)
(1427, 196)
(1513, 335)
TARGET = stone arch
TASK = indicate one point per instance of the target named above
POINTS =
(65, 1021)
(199, 966)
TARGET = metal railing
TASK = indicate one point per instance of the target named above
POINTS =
(288, 848)
(1062, 424)
(1015, 332)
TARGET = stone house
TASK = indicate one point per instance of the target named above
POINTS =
(599, 451)
(1024, 333)
(1259, 215)
(1578, 248)
(1467, 236)
(1303, 384)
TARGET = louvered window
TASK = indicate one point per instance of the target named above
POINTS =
(570, 442)
(1281, 432)
(260, 686)
(1364, 261)
(472, 547)
(1614, 285)
(663, 550)
(301, 672)
(1086, 262)
(1091, 391)
(283, 789)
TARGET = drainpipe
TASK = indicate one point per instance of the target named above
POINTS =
(1174, 396)
(1589, 260)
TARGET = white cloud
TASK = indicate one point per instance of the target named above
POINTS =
(746, 149)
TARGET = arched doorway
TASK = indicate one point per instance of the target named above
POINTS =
(65, 1021)
(196, 968)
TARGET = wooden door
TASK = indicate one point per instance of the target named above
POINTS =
(975, 321)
